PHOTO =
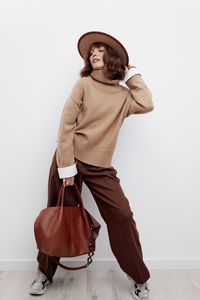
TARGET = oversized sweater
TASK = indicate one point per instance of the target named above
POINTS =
(92, 116)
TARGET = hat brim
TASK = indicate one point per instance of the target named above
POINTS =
(90, 37)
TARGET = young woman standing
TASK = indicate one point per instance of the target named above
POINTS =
(88, 132)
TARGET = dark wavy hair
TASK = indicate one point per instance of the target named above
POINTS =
(114, 69)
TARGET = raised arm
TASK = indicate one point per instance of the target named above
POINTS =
(140, 96)
(65, 150)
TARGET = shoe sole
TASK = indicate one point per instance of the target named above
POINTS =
(135, 297)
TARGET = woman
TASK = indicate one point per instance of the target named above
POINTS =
(88, 132)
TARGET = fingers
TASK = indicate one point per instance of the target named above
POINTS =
(131, 66)
(68, 181)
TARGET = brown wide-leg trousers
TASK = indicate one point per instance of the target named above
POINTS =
(115, 211)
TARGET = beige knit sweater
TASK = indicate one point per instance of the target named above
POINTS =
(93, 115)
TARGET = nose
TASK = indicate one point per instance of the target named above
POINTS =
(94, 53)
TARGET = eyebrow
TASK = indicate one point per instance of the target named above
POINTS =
(97, 48)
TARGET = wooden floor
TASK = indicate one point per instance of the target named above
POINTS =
(103, 285)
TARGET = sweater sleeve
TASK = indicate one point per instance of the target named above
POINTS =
(65, 152)
(140, 96)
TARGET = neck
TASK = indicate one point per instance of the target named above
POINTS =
(99, 75)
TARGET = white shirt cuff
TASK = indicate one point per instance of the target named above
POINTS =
(131, 72)
(65, 172)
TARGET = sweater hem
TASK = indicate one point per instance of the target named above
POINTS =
(91, 161)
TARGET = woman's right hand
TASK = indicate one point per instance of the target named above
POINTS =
(68, 181)
(128, 68)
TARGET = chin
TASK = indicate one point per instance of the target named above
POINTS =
(98, 67)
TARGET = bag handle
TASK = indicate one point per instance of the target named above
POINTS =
(60, 201)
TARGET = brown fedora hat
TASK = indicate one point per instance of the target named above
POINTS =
(90, 37)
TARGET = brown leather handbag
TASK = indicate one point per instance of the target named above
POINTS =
(66, 231)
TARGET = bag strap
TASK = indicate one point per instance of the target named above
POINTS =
(89, 261)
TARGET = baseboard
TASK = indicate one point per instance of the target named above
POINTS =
(102, 264)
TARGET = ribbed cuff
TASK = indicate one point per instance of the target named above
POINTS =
(131, 72)
(66, 172)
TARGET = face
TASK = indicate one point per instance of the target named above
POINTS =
(96, 57)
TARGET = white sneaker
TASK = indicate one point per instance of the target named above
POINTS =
(139, 291)
(38, 286)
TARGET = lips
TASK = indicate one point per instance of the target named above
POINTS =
(96, 60)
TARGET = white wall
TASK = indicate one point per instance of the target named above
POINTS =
(157, 155)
